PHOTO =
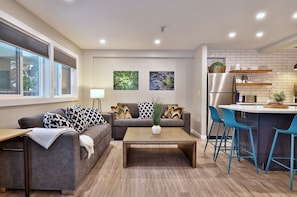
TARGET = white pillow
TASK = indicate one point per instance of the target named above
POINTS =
(77, 118)
(93, 117)
(53, 120)
(145, 110)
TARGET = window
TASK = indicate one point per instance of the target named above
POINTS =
(26, 69)
(13, 61)
(62, 79)
(65, 69)
(9, 61)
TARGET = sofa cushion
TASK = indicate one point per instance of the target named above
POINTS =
(97, 133)
(93, 116)
(134, 122)
(77, 118)
(166, 122)
(37, 120)
(145, 110)
(53, 120)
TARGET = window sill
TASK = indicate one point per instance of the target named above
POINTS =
(18, 101)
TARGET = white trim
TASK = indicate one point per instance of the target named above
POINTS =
(17, 100)
(28, 100)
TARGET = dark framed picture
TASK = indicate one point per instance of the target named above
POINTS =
(125, 80)
(161, 80)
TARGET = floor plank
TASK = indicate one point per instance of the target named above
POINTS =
(165, 171)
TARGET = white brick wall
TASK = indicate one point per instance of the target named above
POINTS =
(280, 62)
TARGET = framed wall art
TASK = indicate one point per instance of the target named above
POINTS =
(161, 80)
(125, 80)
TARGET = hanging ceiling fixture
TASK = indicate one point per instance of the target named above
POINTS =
(163, 28)
(295, 67)
(158, 41)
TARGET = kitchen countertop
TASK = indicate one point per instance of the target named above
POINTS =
(258, 108)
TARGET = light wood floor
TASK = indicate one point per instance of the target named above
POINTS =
(167, 172)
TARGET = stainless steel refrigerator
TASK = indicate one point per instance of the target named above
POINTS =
(221, 89)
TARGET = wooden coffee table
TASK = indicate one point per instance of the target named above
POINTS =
(168, 135)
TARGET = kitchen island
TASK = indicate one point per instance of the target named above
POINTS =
(264, 120)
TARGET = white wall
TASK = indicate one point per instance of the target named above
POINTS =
(99, 66)
(199, 110)
(12, 11)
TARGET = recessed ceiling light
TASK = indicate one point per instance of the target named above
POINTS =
(260, 15)
(157, 41)
(294, 15)
(259, 34)
(232, 34)
(102, 41)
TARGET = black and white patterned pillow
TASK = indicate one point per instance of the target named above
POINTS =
(77, 118)
(145, 110)
(93, 117)
(53, 120)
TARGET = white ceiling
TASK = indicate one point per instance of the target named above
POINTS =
(134, 24)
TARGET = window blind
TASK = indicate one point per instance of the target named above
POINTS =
(19, 38)
(63, 58)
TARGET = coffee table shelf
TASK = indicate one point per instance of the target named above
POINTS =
(168, 135)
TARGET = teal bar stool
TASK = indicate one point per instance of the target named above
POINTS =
(231, 123)
(292, 131)
(216, 119)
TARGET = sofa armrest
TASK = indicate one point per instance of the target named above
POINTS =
(47, 165)
(108, 117)
(186, 116)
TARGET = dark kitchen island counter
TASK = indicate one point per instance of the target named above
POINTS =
(264, 121)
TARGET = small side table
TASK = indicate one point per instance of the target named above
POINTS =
(6, 134)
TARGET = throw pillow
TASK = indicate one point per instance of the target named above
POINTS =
(53, 120)
(177, 112)
(93, 116)
(168, 111)
(77, 118)
(145, 110)
(173, 112)
(121, 112)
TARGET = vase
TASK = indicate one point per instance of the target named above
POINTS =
(156, 129)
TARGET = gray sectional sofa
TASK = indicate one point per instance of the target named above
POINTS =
(119, 126)
(61, 167)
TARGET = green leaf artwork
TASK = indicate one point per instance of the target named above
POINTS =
(125, 80)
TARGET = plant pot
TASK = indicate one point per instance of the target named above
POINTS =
(216, 69)
(156, 129)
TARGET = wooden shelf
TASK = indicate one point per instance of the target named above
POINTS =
(253, 84)
(250, 71)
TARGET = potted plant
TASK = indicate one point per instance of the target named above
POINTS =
(279, 97)
(244, 78)
(157, 113)
(217, 67)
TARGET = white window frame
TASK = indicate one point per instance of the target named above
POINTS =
(48, 89)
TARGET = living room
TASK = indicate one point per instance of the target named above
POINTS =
(95, 70)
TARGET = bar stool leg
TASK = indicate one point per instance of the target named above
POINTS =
(219, 147)
(208, 136)
(216, 143)
(231, 148)
(271, 151)
(253, 150)
(292, 162)
(238, 144)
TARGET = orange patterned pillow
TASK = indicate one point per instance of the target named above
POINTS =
(121, 112)
(173, 112)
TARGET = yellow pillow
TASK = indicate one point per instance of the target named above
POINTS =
(121, 112)
(173, 112)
